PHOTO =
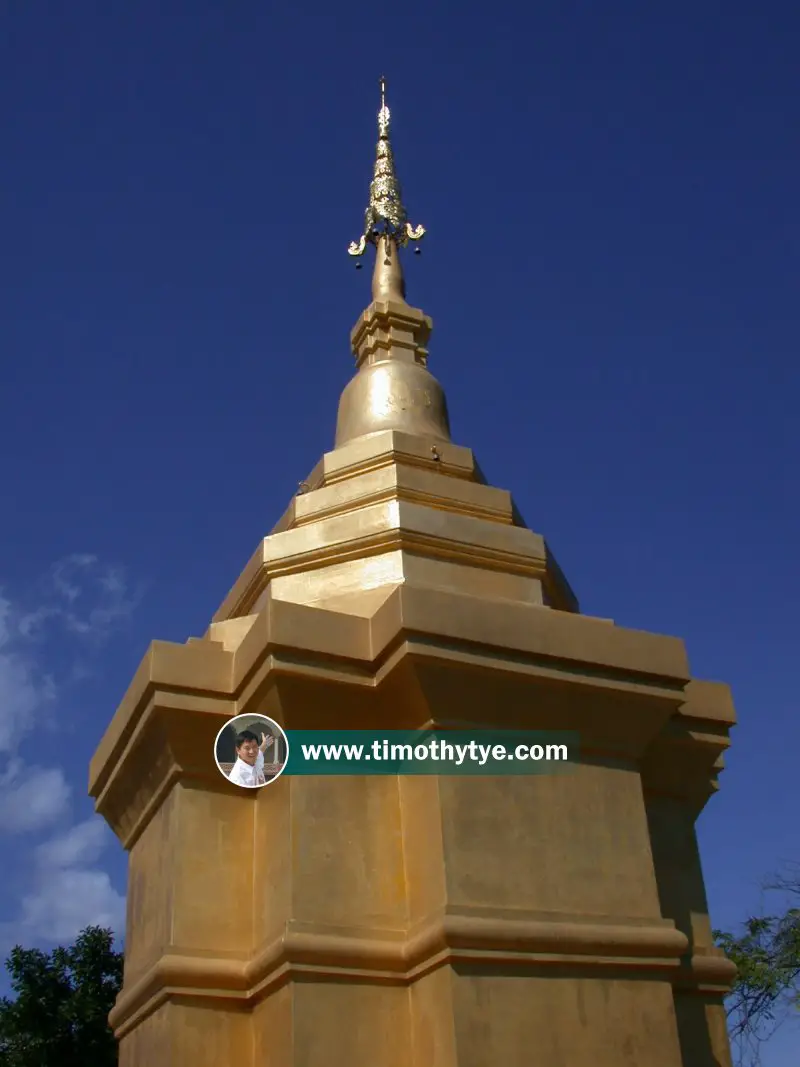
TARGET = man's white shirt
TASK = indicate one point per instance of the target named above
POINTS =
(244, 774)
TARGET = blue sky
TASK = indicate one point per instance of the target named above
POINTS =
(610, 192)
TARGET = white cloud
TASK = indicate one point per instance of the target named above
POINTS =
(79, 846)
(63, 574)
(84, 596)
(19, 699)
(5, 612)
(81, 599)
(24, 691)
(69, 891)
(31, 623)
(84, 578)
(67, 901)
(31, 797)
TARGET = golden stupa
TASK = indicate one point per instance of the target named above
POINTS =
(402, 921)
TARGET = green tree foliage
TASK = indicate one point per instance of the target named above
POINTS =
(767, 988)
(58, 1016)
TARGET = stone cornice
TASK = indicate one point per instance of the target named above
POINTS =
(654, 950)
(686, 758)
(205, 671)
(202, 669)
(182, 694)
(395, 491)
(395, 524)
(391, 330)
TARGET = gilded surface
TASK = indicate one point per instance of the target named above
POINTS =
(386, 214)
(472, 919)
(390, 395)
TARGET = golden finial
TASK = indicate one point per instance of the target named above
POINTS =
(384, 114)
(386, 216)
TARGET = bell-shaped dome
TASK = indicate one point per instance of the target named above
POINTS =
(393, 388)
(391, 395)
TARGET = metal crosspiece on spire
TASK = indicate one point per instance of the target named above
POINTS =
(385, 216)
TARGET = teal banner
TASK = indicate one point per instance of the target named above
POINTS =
(438, 752)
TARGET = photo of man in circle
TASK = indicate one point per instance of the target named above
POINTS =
(251, 751)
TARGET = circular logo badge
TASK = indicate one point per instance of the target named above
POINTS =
(251, 751)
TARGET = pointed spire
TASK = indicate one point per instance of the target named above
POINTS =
(386, 220)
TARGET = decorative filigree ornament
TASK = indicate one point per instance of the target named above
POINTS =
(385, 216)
